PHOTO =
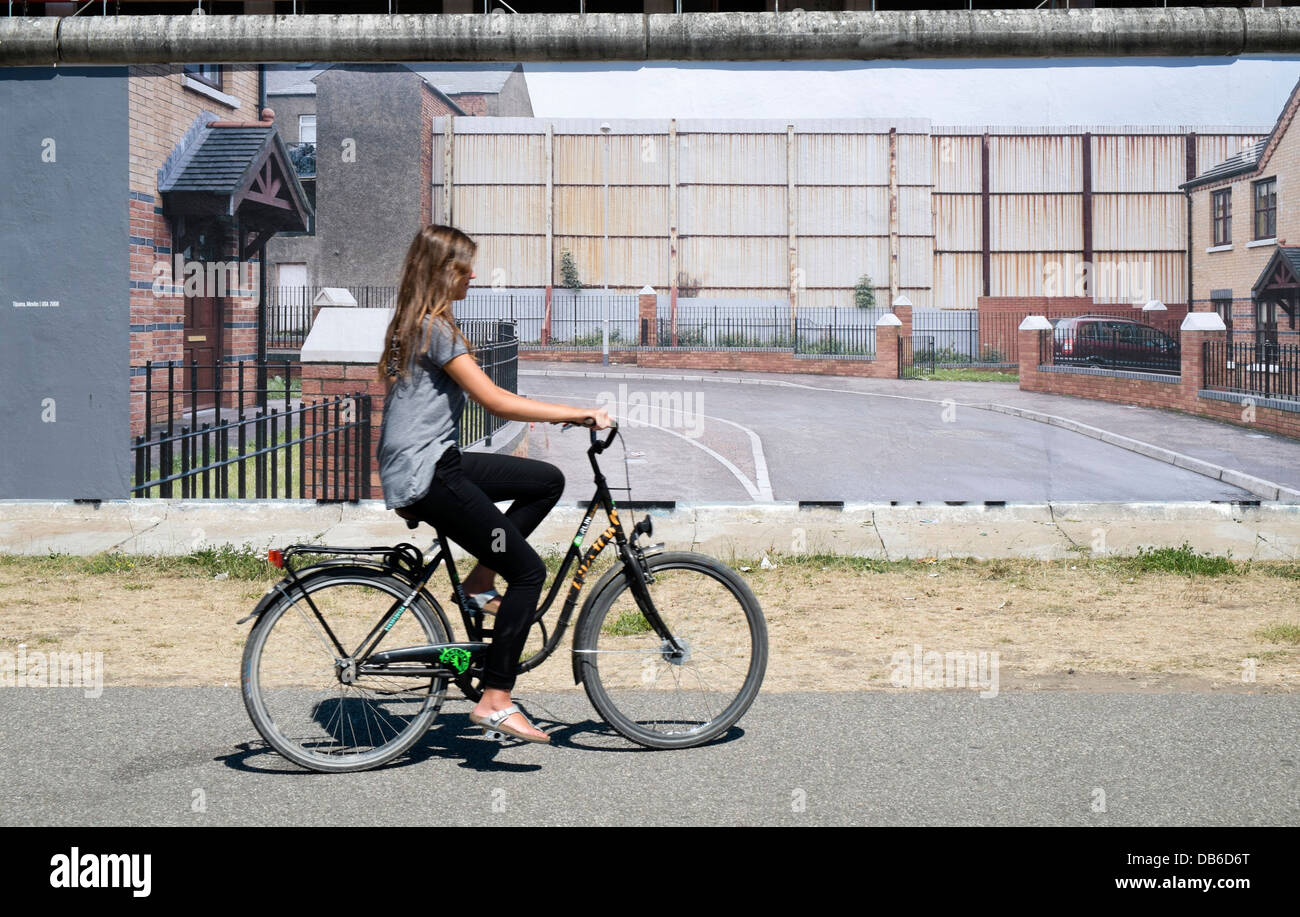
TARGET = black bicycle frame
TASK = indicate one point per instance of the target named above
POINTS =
(407, 562)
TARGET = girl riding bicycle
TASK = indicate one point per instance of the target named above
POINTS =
(428, 369)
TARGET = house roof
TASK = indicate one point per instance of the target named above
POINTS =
(1282, 254)
(1252, 159)
(449, 78)
(459, 78)
(213, 166)
(292, 79)
(217, 160)
(1243, 162)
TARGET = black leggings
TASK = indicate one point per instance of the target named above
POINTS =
(459, 502)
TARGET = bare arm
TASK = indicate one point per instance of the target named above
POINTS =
(509, 406)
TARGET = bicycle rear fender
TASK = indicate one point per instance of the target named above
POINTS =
(332, 566)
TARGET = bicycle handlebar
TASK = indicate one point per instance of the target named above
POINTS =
(589, 422)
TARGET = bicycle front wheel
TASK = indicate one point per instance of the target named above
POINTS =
(307, 696)
(663, 696)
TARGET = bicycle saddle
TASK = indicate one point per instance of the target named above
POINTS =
(411, 522)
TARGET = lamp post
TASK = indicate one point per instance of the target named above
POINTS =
(604, 259)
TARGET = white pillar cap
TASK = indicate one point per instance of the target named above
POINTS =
(345, 335)
(1203, 321)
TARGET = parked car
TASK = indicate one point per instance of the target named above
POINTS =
(1119, 343)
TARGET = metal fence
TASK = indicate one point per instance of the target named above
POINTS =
(241, 441)
(961, 337)
(290, 310)
(1266, 369)
(916, 356)
(496, 347)
(1102, 344)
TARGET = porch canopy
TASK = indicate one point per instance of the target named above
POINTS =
(1280, 282)
(233, 172)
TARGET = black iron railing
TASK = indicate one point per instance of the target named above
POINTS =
(1123, 346)
(962, 337)
(290, 310)
(496, 347)
(916, 356)
(1265, 369)
(226, 439)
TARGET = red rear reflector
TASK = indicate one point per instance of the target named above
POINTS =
(276, 557)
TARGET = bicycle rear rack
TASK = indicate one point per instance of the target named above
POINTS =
(403, 558)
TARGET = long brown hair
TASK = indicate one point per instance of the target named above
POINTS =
(437, 263)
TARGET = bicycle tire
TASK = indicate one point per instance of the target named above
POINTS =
(289, 663)
(630, 674)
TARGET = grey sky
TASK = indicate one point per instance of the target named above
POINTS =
(1101, 91)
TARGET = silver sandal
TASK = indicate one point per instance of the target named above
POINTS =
(494, 726)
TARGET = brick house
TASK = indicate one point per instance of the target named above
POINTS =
(1243, 214)
(210, 182)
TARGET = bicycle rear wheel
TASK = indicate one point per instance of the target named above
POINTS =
(659, 697)
(306, 697)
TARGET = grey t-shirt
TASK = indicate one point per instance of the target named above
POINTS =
(421, 419)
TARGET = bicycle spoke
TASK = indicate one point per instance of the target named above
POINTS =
(714, 663)
(308, 713)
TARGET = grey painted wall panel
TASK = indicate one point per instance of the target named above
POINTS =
(64, 224)
(378, 108)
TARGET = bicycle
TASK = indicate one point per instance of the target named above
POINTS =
(670, 646)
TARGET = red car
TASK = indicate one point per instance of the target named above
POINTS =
(1120, 343)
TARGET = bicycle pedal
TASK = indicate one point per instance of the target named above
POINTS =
(495, 735)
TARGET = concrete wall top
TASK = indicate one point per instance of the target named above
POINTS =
(342, 335)
(790, 35)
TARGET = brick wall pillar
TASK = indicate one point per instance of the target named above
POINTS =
(339, 359)
(888, 347)
(1197, 329)
(904, 313)
(1028, 335)
(648, 316)
(335, 388)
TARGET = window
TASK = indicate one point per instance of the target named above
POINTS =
(1221, 217)
(1224, 308)
(306, 128)
(205, 73)
(1266, 208)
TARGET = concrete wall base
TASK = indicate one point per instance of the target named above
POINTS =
(1263, 531)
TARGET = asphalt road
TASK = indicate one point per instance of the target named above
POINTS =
(717, 442)
(190, 756)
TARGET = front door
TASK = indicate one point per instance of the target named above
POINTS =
(204, 313)
(1266, 326)
(202, 343)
